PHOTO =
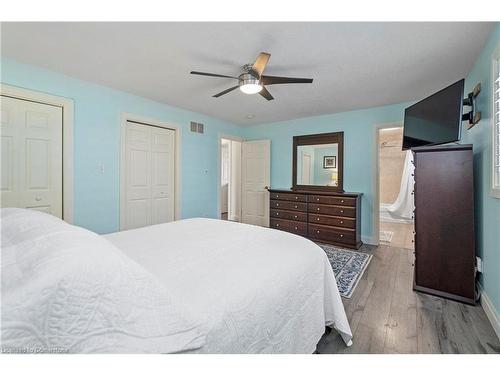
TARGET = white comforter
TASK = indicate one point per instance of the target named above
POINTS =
(66, 289)
(257, 290)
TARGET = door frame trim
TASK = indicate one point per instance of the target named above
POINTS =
(219, 172)
(67, 106)
(375, 239)
(146, 121)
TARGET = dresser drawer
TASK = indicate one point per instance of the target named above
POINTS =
(289, 197)
(289, 215)
(332, 210)
(287, 205)
(333, 221)
(331, 234)
(339, 201)
(296, 227)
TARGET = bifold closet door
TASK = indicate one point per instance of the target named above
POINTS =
(31, 155)
(149, 175)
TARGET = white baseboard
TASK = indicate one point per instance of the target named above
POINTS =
(490, 311)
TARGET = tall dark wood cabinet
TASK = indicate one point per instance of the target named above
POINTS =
(444, 222)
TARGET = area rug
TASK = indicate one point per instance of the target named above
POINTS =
(348, 267)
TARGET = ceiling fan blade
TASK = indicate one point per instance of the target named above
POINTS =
(225, 91)
(273, 80)
(260, 63)
(266, 94)
(211, 74)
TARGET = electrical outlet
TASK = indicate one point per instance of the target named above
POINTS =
(479, 264)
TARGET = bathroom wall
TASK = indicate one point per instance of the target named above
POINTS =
(391, 163)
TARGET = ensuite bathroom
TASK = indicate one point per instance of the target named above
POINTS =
(396, 182)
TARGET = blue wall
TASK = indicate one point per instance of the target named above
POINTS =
(487, 207)
(97, 133)
(359, 142)
(323, 176)
(98, 112)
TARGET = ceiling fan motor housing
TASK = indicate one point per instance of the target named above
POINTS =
(248, 79)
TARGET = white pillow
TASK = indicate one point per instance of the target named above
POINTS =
(66, 289)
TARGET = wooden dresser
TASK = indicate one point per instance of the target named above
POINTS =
(332, 218)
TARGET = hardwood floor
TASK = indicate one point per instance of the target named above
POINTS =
(386, 316)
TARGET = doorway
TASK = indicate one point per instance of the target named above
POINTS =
(395, 189)
(230, 179)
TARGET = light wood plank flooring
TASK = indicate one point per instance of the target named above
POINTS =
(386, 316)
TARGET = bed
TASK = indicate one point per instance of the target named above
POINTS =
(191, 286)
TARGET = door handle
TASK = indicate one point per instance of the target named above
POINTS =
(266, 187)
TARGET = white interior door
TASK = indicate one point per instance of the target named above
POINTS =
(255, 178)
(31, 154)
(149, 157)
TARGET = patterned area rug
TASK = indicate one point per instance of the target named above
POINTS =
(348, 267)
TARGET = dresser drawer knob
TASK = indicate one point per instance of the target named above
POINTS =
(277, 225)
(295, 217)
(341, 211)
(317, 219)
(342, 201)
(317, 209)
(317, 199)
(296, 228)
(277, 204)
(341, 221)
(317, 232)
(295, 206)
(277, 214)
(296, 198)
(341, 235)
(277, 196)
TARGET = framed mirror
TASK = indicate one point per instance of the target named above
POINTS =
(318, 162)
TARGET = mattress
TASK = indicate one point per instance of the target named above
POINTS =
(254, 289)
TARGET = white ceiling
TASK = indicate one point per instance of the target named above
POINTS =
(354, 65)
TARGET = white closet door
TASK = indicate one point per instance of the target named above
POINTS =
(255, 178)
(137, 176)
(31, 155)
(162, 174)
(149, 175)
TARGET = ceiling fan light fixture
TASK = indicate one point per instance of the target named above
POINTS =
(249, 84)
(251, 88)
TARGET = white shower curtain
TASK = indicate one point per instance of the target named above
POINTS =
(404, 205)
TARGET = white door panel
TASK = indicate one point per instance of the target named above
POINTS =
(31, 155)
(256, 167)
(149, 175)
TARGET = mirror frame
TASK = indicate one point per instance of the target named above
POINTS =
(320, 139)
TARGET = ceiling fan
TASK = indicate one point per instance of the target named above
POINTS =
(252, 81)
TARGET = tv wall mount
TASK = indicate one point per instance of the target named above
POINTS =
(472, 116)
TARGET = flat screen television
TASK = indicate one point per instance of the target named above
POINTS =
(436, 119)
